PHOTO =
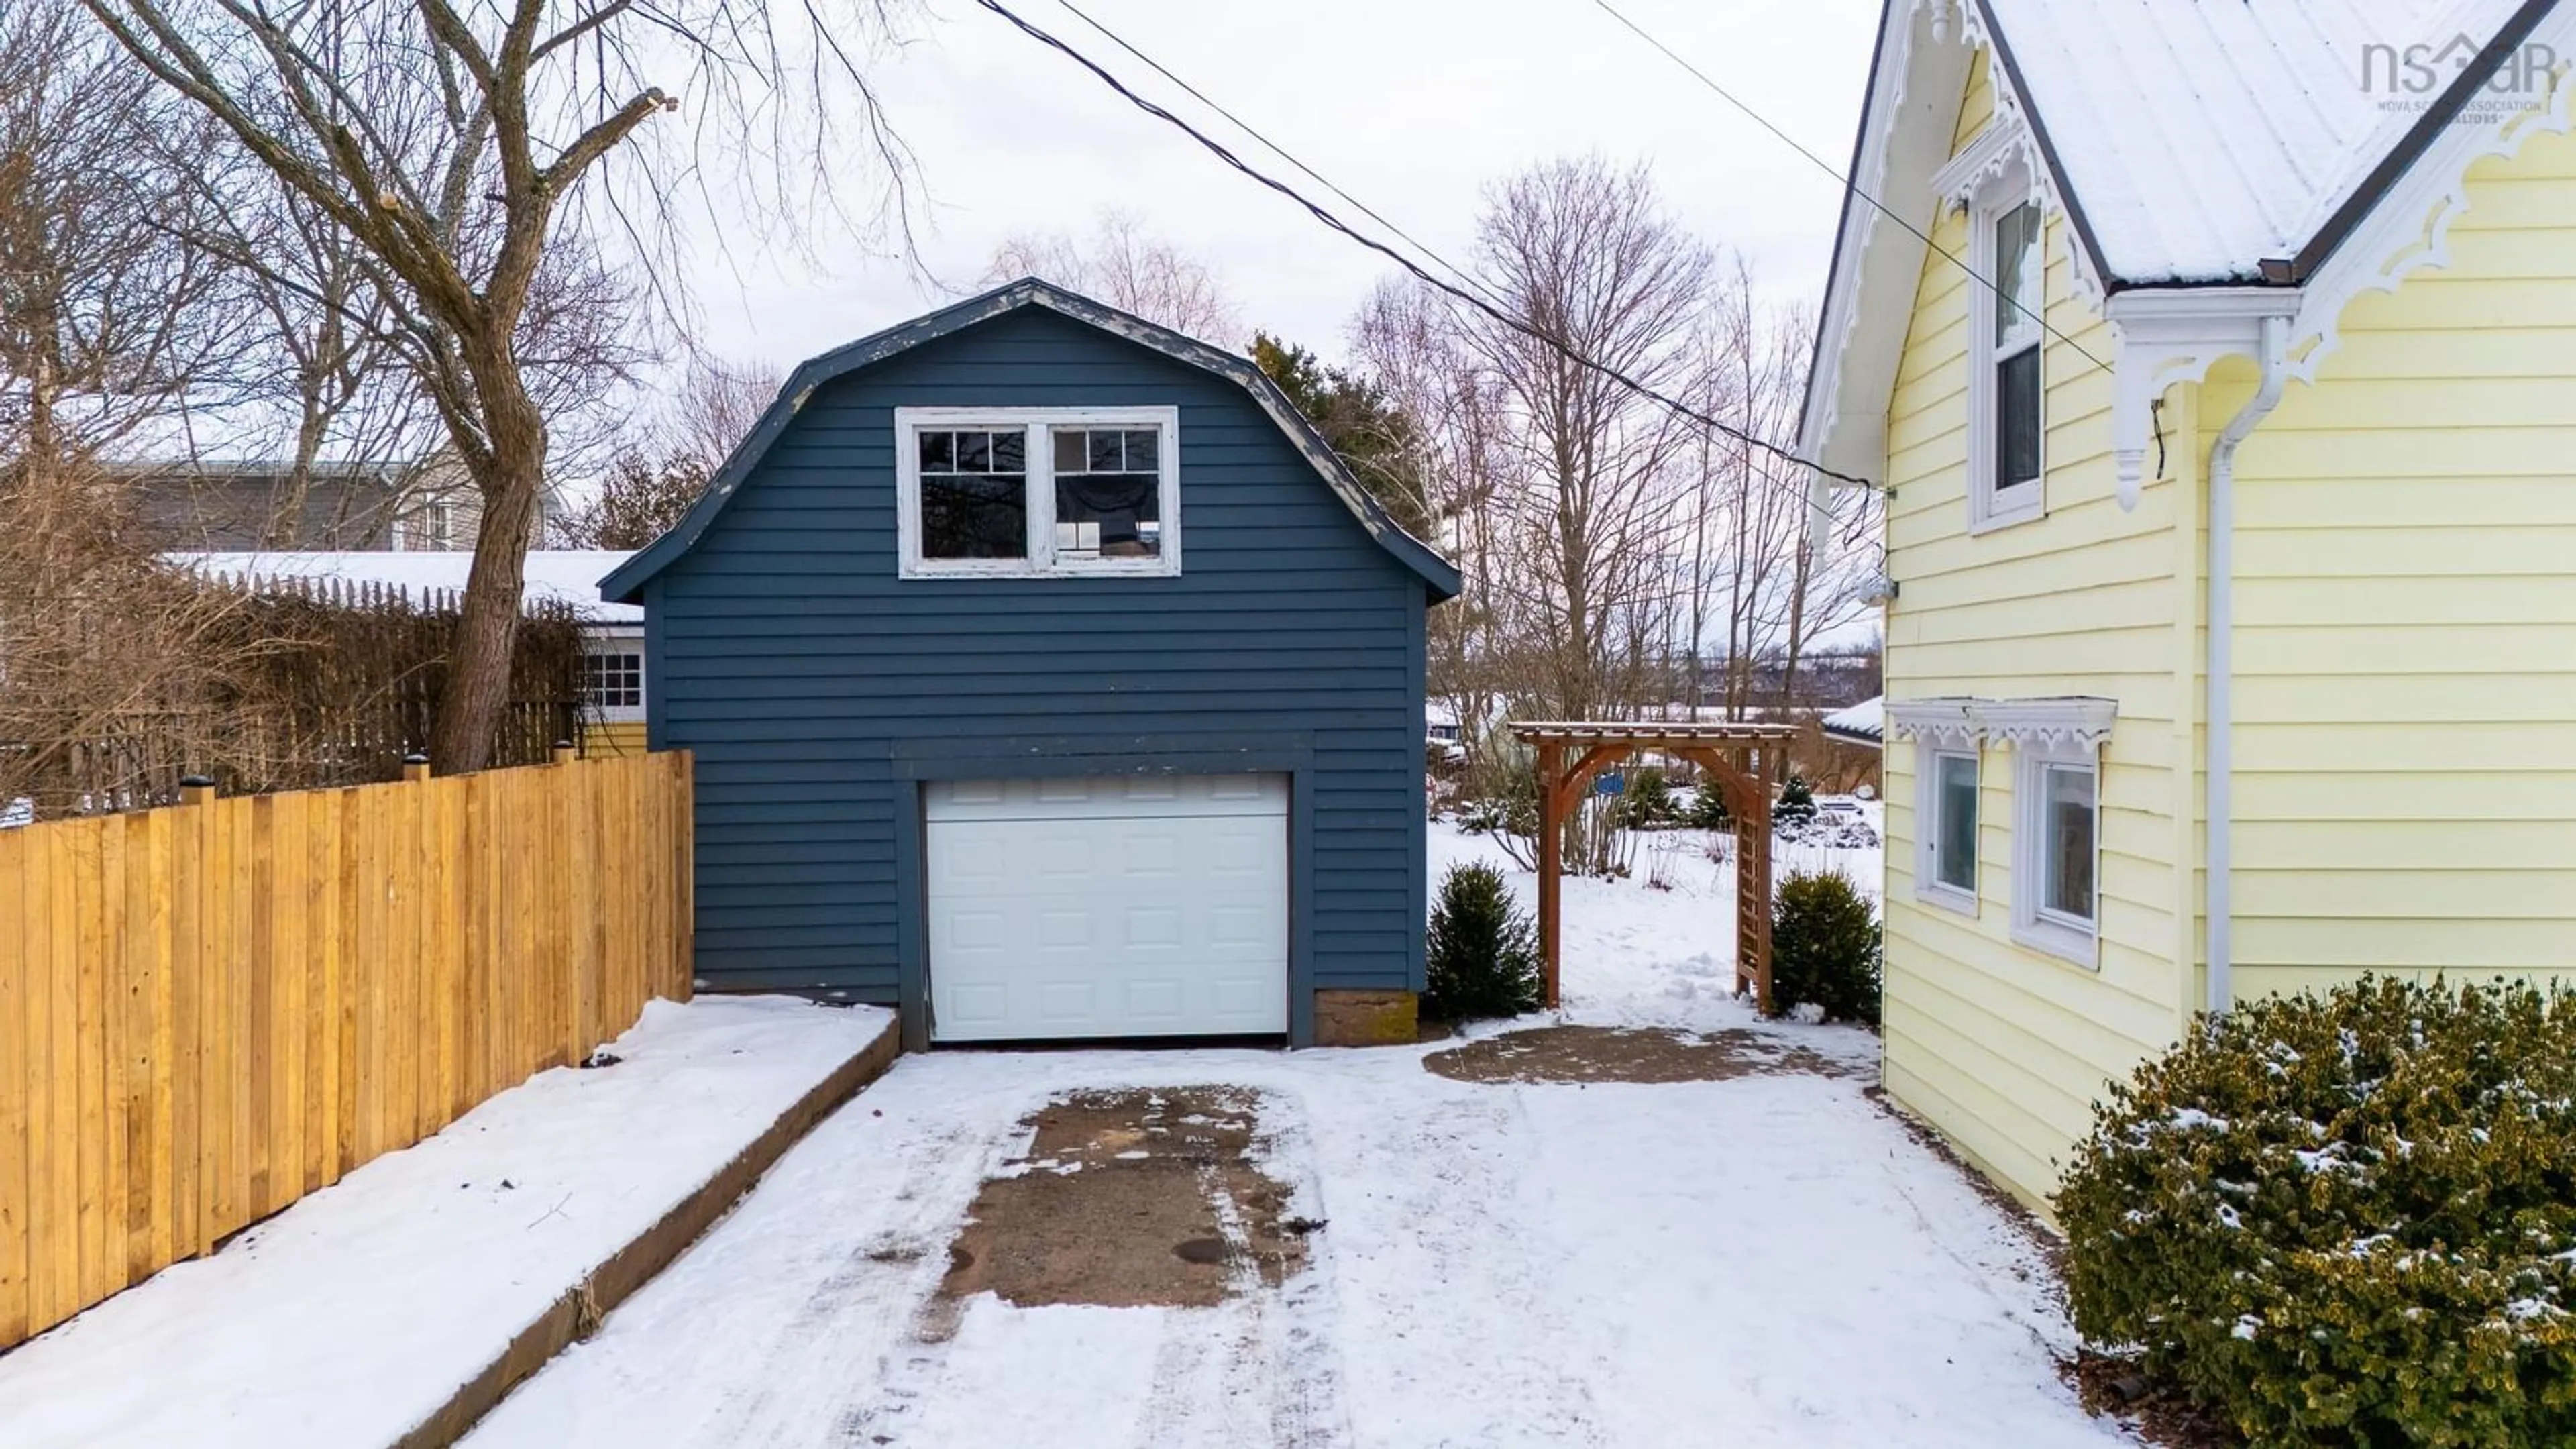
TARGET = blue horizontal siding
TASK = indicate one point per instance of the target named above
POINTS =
(786, 653)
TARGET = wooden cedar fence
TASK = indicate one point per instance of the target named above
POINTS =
(209, 1010)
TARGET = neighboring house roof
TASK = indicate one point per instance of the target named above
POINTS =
(566, 576)
(1863, 724)
(627, 583)
(2198, 140)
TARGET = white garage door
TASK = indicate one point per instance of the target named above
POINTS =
(1112, 906)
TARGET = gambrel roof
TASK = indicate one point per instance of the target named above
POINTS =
(627, 583)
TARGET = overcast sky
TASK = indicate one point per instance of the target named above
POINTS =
(1413, 106)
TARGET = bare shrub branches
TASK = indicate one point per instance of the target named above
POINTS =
(120, 674)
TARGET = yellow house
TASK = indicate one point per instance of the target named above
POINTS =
(2218, 362)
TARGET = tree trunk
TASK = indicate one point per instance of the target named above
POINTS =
(478, 673)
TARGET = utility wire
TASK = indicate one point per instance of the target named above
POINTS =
(1247, 128)
(1845, 182)
(1328, 219)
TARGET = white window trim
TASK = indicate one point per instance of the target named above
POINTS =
(2006, 184)
(610, 645)
(2033, 925)
(1929, 888)
(1041, 561)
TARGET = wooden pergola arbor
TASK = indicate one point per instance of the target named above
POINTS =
(1571, 753)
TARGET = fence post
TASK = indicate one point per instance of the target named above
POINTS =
(415, 767)
(196, 790)
(564, 752)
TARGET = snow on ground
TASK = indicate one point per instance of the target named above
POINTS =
(1764, 1261)
(354, 1314)
(1658, 949)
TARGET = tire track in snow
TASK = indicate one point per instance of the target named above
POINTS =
(1259, 1368)
(891, 1276)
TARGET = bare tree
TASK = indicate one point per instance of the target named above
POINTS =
(460, 147)
(659, 471)
(1747, 582)
(108, 319)
(716, 405)
(1120, 264)
(1585, 496)
(1407, 338)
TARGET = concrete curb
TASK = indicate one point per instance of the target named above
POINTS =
(576, 1315)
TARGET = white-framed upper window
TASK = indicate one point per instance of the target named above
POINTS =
(2008, 385)
(1037, 492)
(612, 682)
(2057, 850)
(1945, 815)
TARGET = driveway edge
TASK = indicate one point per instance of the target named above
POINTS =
(577, 1314)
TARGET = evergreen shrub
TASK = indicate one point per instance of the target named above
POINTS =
(1708, 807)
(2346, 1219)
(1648, 803)
(1825, 947)
(1482, 956)
(1797, 803)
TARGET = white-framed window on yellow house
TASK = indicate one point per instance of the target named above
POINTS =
(1945, 814)
(2008, 389)
(2057, 850)
(612, 682)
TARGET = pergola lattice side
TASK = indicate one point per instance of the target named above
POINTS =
(1570, 753)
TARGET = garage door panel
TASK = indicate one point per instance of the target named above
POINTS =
(1052, 913)
(1107, 797)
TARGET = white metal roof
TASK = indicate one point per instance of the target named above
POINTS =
(1866, 720)
(569, 576)
(2202, 137)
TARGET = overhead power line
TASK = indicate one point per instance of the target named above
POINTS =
(1840, 179)
(1461, 294)
(1282, 152)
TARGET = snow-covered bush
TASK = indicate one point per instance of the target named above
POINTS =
(1832, 829)
(1797, 803)
(1482, 956)
(2346, 1219)
(1825, 947)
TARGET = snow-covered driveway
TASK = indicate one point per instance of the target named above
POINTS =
(1767, 1260)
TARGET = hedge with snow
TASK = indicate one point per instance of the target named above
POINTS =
(2346, 1219)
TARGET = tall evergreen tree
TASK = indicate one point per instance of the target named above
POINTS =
(1379, 442)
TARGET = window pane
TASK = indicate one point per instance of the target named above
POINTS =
(1107, 495)
(2017, 418)
(2067, 842)
(2018, 270)
(938, 452)
(974, 452)
(980, 515)
(1955, 840)
(1108, 515)
(1106, 455)
(1010, 452)
(613, 681)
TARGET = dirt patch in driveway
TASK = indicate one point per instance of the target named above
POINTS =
(1131, 1198)
(1622, 1054)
